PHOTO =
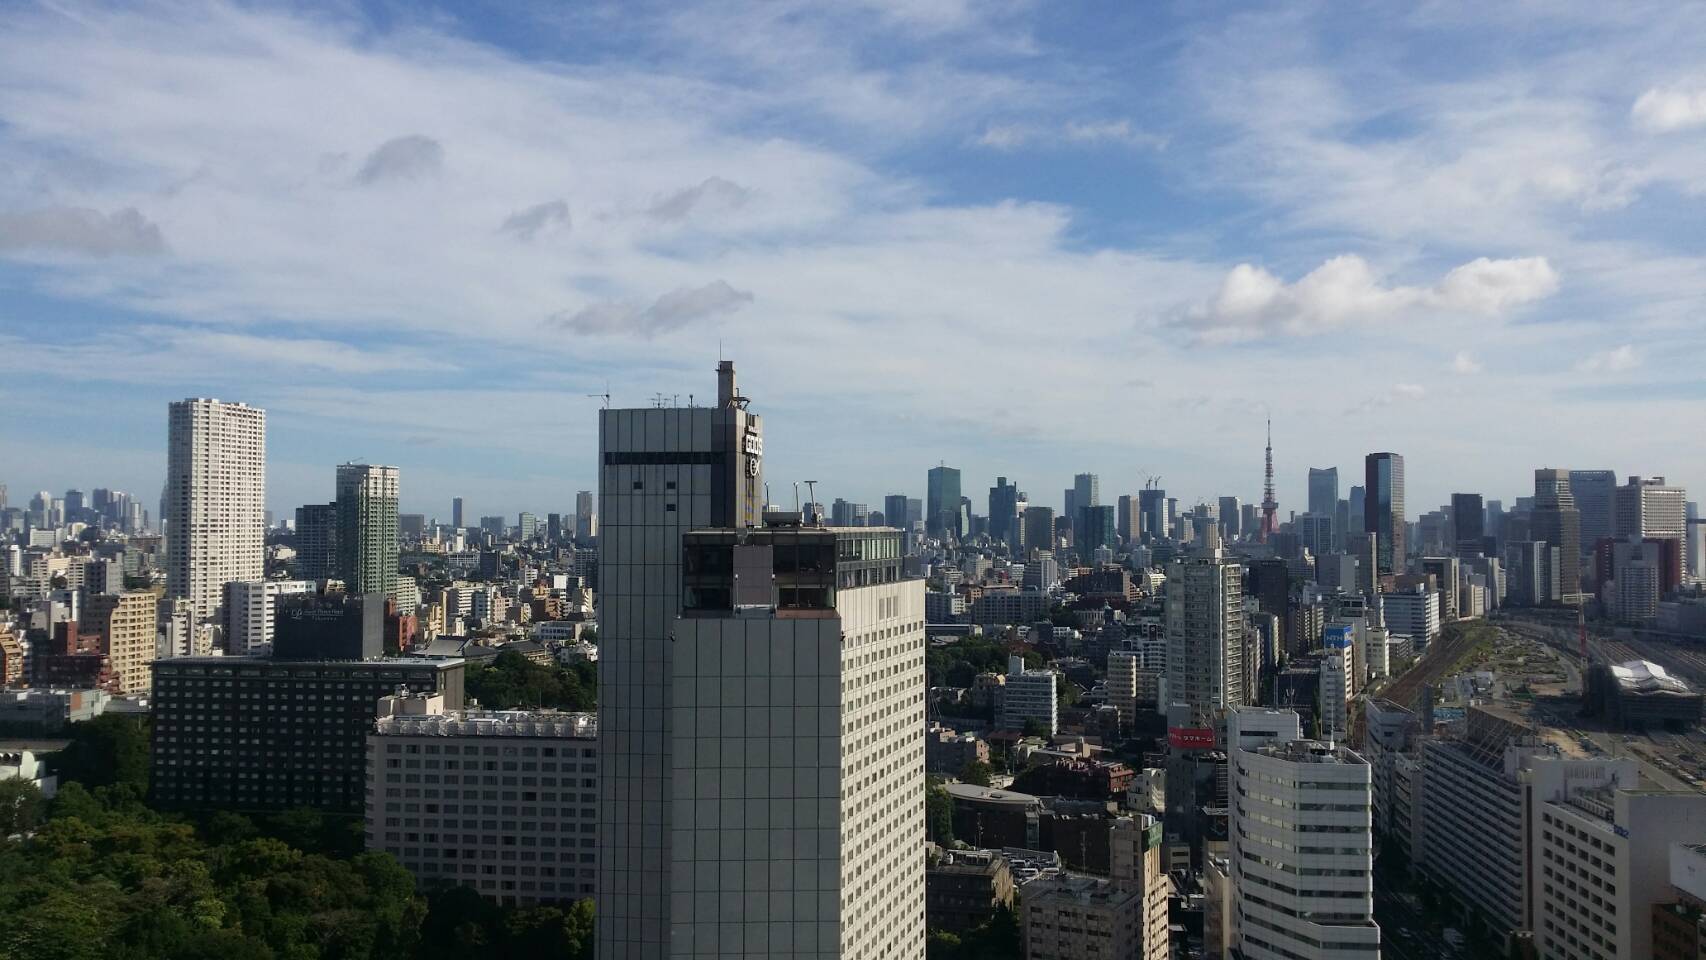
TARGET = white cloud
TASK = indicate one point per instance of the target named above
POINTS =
(1662, 110)
(1615, 360)
(1465, 364)
(78, 230)
(670, 312)
(1013, 136)
(1345, 291)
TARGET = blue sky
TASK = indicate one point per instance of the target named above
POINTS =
(1027, 239)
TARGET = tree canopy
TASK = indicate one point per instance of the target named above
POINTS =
(513, 682)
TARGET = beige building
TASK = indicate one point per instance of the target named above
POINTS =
(1087, 918)
(124, 624)
(215, 502)
(1603, 863)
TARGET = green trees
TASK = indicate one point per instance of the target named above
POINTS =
(104, 878)
(938, 814)
(996, 939)
(513, 682)
(976, 772)
(110, 750)
(21, 806)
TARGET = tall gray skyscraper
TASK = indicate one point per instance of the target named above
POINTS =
(1556, 521)
(1383, 510)
(1231, 518)
(1152, 512)
(663, 471)
(896, 514)
(797, 757)
(367, 528)
(1003, 510)
(456, 513)
(317, 541)
(1323, 490)
(1469, 518)
(1086, 491)
(1039, 528)
(942, 502)
(586, 518)
(216, 488)
(1595, 493)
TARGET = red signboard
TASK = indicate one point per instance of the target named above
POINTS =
(1191, 738)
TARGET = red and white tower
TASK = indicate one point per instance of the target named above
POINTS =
(1270, 506)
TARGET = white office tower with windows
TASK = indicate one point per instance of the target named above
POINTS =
(1302, 851)
(798, 746)
(663, 471)
(216, 486)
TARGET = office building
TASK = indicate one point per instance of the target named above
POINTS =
(663, 471)
(1555, 521)
(1314, 533)
(1469, 522)
(1302, 845)
(251, 608)
(526, 526)
(1323, 490)
(1086, 491)
(1152, 513)
(1204, 609)
(436, 777)
(942, 503)
(1594, 493)
(1004, 500)
(1648, 508)
(1039, 530)
(249, 734)
(586, 517)
(456, 513)
(1029, 695)
(1094, 528)
(317, 542)
(804, 648)
(1412, 612)
(1123, 669)
(1603, 863)
(897, 512)
(1231, 518)
(216, 485)
(1383, 511)
(367, 528)
(124, 630)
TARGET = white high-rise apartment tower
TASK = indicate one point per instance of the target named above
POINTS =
(1205, 632)
(216, 485)
(662, 472)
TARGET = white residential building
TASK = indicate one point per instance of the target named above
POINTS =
(1302, 848)
(1030, 695)
(250, 607)
(1123, 668)
(216, 484)
(1205, 633)
(427, 774)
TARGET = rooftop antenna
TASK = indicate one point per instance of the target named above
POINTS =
(811, 492)
(796, 496)
(605, 396)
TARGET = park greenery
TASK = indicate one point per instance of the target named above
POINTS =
(513, 682)
(95, 874)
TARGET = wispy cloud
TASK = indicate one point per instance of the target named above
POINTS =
(1615, 360)
(1013, 136)
(405, 158)
(78, 230)
(1464, 364)
(670, 312)
(529, 223)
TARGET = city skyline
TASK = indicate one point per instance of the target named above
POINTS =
(1438, 249)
